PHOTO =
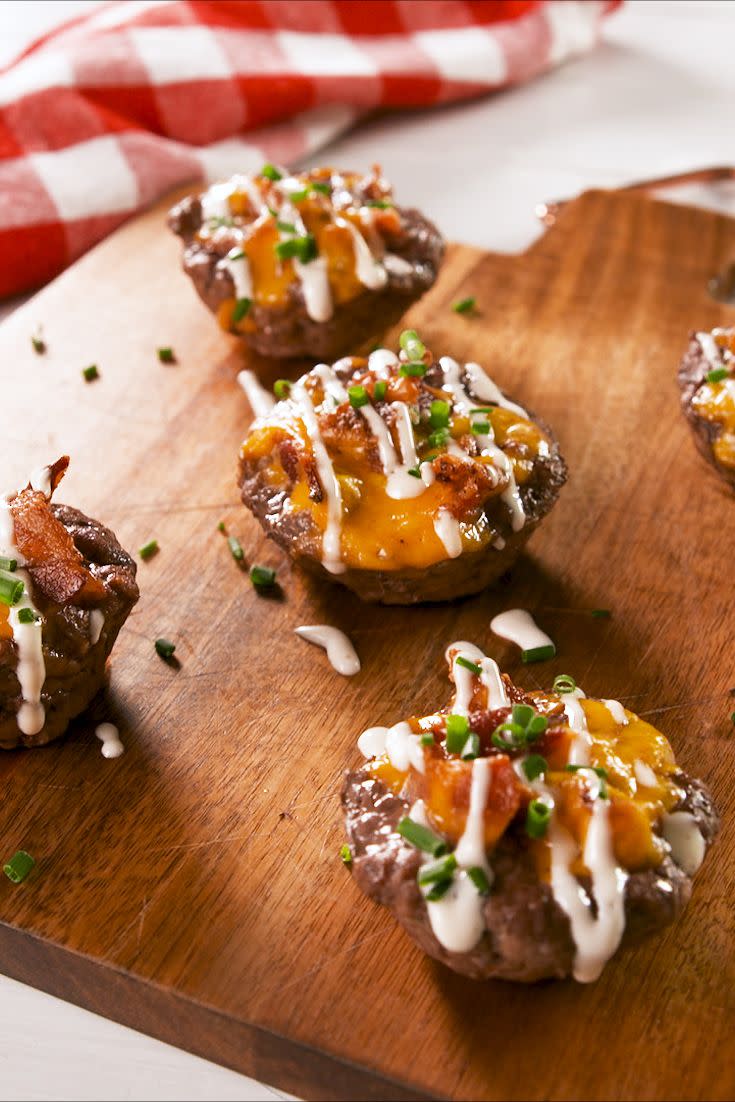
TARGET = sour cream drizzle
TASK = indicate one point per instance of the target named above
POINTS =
(497, 696)
(402, 747)
(338, 646)
(519, 627)
(332, 540)
(261, 400)
(96, 623)
(109, 736)
(685, 840)
(28, 638)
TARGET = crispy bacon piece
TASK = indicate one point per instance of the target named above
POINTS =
(56, 567)
(445, 786)
(472, 483)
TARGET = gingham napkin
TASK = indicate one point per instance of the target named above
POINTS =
(113, 109)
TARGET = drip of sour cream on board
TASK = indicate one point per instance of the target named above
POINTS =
(28, 637)
(519, 627)
(338, 646)
(109, 736)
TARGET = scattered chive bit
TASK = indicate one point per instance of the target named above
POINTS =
(601, 773)
(299, 196)
(273, 212)
(236, 548)
(240, 309)
(415, 471)
(717, 375)
(165, 648)
(358, 396)
(471, 666)
(236, 254)
(483, 409)
(471, 748)
(464, 306)
(148, 550)
(221, 527)
(428, 740)
(323, 189)
(271, 172)
(564, 684)
(421, 837)
(538, 654)
(413, 369)
(525, 726)
(438, 438)
(478, 876)
(285, 227)
(437, 891)
(8, 564)
(262, 577)
(381, 204)
(346, 854)
(436, 871)
(91, 373)
(601, 613)
(458, 729)
(537, 818)
(39, 344)
(304, 248)
(535, 765)
(480, 428)
(732, 718)
(11, 590)
(18, 867)
(27, 616)
(439, 414)
(412, 344)
(166, 355)
(281, 389)
(379, 390)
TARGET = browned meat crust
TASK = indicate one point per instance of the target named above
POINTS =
(290, 332)
(74, 666)
(528, 936)
(692, 371)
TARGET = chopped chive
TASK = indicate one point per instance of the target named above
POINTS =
(413, 369)
(241, 308)
(18, 867)
(538, 654)
(537, 726)
(421, 837)
(285, 227)
(39, 344)
(221, 526)
(91, 373)
(514, 742)
(438, 438)
(324, 189)
(262, 577)
(464, 305)
(11, 590)
(299, 196)
(358, 396)
(732, 717)
(434, 871)
(27, 616)
(303, 247)
(8, 564)
(480, 428)
(379, 390)
(538, 817)
(414, 471)
(471, 748)
(408, 339)
(427, 740)
(717, 375)
(439, 414)
(236, 548)
(165, 648)
(281, 388)
(438, 890)
(564, 684)
(601, 613)
(478, 876)
(381, 204)
(271, 172)
(148, 550)
(522, 714)
(458, 729)
(471, 666)
(236, 254)
(483, 409)
(218, 221)
(346, 854)
(166, 355)
(535, 765)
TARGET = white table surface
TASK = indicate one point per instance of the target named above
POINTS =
(656, 98)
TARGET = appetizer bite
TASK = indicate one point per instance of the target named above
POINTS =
(66, 588)
(306, 265)
(402, 477)
(707, 384)
(524, 835)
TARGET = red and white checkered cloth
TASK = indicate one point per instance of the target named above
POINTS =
(113, 109)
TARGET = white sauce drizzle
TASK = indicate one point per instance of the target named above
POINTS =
(41, 480)
(96, 623)
(399, 742)
(644, 775)
(261, 400)
(332, 539)
(712, 351)
(449, 532)
(579, 751)
(617, 711)
(518, 626)
(239, 271)
(338, 646)
(314, 279)
(497, 696)
(381, 360)
(685, 840)
(109, 736)
(368, 269)
(28, 638)
(396, 265)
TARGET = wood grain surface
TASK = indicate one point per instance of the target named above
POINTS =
(192, 888)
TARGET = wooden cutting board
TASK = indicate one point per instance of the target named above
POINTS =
(192, 889)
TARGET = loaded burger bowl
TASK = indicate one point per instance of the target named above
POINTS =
(67, 588)
(306, 265)
(402, 477)
(707, 388)
(524, 836)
